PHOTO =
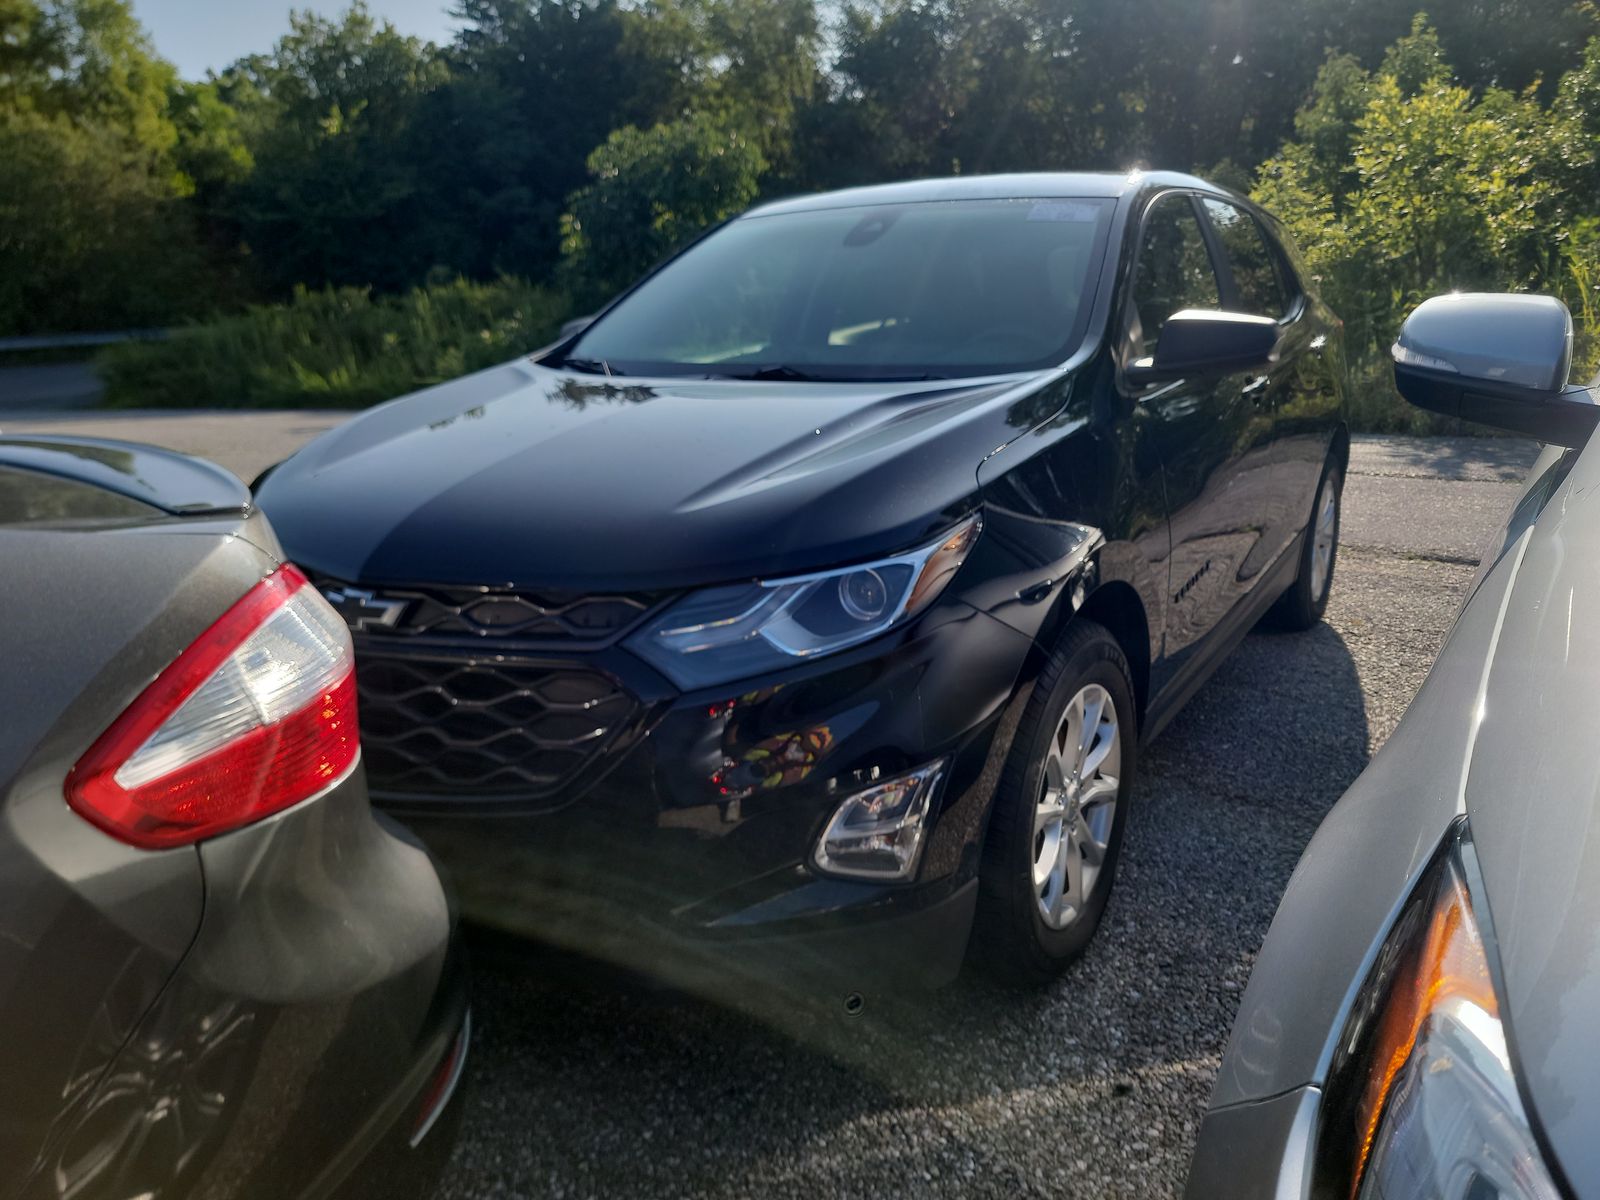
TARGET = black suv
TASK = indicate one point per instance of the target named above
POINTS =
(811, 602)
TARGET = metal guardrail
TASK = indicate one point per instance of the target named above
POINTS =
(75, 341)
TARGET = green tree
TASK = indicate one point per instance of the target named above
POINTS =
(92, 228)
(1406, 183)
(1512, 44)
(753, 66)
(89, 61)
(89, 237)
(339, 192)
(653, 190)
(536, 86)
(952, 86)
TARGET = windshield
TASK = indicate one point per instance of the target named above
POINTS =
(926, 290)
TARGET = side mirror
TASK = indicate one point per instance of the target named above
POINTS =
(575, 326)
(1198, 342)
(1498, 359)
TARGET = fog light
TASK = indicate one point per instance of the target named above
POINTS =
(878, 833)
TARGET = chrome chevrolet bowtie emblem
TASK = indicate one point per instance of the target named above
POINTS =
(363, 610)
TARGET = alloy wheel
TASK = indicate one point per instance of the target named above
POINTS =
(1077, 806)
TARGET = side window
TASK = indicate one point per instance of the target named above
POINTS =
(1257, 271)
(1291, 262)
(1174, 271)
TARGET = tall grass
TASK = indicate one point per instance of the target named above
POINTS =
(334, 349)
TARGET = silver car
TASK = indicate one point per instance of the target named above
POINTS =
(1424, 1017)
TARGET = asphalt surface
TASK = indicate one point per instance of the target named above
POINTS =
(52, 386)
(588, 1085)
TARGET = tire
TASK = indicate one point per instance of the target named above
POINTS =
(1302, 605)
(1014, 935)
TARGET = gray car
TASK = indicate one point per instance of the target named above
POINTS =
(1423, 1017)
(220, 974)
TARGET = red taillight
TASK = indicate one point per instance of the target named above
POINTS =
(257, 715)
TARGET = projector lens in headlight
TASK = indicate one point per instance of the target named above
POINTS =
(728, 633)
(863, 595)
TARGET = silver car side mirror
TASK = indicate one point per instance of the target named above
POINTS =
(1498, 359)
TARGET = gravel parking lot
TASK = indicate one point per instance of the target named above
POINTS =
(586, 1085)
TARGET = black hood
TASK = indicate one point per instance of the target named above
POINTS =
(524, 476)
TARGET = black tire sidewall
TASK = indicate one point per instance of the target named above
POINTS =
(1087, 655)
(1297, 608)
(1315, 606)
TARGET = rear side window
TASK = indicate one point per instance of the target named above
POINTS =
(1174, 271)
(1257, 270)
(1292, 261)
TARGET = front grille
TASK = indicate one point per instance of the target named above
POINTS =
(455, 726)
(543, 618)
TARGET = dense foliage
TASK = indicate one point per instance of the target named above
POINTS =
(337, 348)
(1403, 183)
(576, 141)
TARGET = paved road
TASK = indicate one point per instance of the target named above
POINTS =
(585, 1087)
(57, 386)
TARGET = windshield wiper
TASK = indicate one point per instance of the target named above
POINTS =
(591, 366)
(784, 373)
(778, 372)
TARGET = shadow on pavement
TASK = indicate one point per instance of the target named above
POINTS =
(1489, 459)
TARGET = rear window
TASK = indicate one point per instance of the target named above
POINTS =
(32, 497)
(935, 289)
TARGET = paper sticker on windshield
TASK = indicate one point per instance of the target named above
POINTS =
(1064, 210)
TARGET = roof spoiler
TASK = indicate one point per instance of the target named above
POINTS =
(164, 479)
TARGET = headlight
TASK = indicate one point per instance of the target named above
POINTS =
(728, 633)
(1422, 1097)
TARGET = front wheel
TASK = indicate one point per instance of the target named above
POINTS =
(1051, 853)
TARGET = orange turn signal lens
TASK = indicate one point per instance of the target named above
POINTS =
(1422, 1097)
(1449, 971)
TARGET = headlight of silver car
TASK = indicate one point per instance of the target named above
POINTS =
(727, 633)
(1422, 1098)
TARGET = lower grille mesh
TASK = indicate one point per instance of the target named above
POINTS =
(457, 726)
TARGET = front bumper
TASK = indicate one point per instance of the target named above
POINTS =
(687, 855)
(1258, 1151)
